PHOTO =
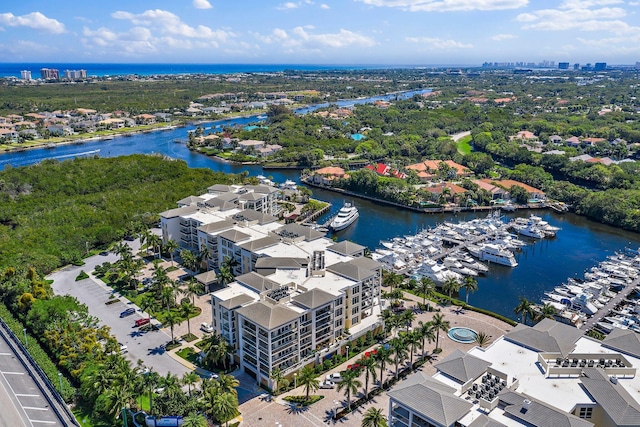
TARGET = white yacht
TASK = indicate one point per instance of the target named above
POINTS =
(454, 264)
(346, 216)
(436, 272)
(493, 253)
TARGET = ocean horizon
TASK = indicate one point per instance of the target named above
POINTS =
(147, 69)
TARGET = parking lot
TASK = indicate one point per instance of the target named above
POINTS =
(145, 346)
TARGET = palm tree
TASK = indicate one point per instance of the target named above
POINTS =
(524, 308)
(171, 246)
(226, 270)
(482, 339)
(307, 378)
(194, 420)
(186, 309)
(425, 287)
(228, 384)
(171, 385)
(189, 260)
(223, 406)
(392, 279)
(372, 418)
(150, 380)
(407, 317)
(193, 289)
(172, 319)
(216, 349)
(368, 364)
(470, 285)
(450, 286)
(350, 384)
(277, 376)
(413, 339)
(439, 324)
(154, 241)
(189, 379)
(398, 347)
(386, 316)
(547, 311)
(382, 357)
(122, 250)
(427, 333)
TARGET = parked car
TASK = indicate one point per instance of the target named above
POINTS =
(327, 384)
(128, 312)
(205, 327)
(104, 253)
(334, 378)
(141, 322)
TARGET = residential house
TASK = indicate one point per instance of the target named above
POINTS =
(269, 150)
(9, 135)
(250, 144)
(60, 130)
(573, 141)
(163, 117)
(499, 189)
(145, 119)
(428, 169)
(555, 139)
(327, 174)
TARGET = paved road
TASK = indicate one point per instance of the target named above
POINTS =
(22, 402)
(148, 346)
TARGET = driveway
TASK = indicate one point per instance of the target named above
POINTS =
(148, 346)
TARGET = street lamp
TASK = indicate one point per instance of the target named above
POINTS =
(26, 342)
(335, 409)
(347, 351)
(295, 380)
(60, 378)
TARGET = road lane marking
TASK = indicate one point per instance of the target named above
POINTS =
(42, 421)
(35, 408)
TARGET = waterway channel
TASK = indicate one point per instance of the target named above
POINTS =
(542, 264)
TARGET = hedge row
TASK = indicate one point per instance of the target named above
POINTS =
(38, 354)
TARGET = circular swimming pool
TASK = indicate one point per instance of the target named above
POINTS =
(463, 335)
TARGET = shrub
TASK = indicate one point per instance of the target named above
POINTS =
(82, 276)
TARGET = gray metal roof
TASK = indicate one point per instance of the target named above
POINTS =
(623, 340)
(212, 227)
(191, 200)
(420, 377)
(258, 244)
(236, 301)
(185, 210)
(251, 215)
(217, 202)
(300, 230)
(462, 366)
(220, 188)
(484, 421)
(441, 408)
(228, 197)
(257, 282)
(538, 414)
(346, 247)
(207, 277)
(351, 270)
(364, 262)
(234, 236)
(268, 315)
(281, 262)
(264, 189)
(251, 196)
(313, 298)
(548, 335)
(613, 398)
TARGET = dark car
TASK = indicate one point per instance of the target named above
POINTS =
(104, 253)
(128, 312)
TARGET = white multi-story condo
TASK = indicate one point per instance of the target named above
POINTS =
(547, 375)
(297, 296)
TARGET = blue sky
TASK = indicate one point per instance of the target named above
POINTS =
(393, 32)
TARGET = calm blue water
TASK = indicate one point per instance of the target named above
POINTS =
(95, 69)
(542, 265)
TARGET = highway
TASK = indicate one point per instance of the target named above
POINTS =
(26, 396)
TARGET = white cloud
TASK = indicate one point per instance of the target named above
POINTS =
(288, 5)
(202, 4)
(301, 39)
(603, 19)
(137, 40)
(35, 20)
(324, 6)
(448, 5)
(170, 24)
(500, 37)
(437, 43)
(583, 4)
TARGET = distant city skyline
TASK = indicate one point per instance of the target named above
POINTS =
(384, 32)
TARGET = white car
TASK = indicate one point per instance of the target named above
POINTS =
(327, 384)
(334, 378)
(205, 327)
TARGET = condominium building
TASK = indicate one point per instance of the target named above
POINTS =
(25, 75)
(297, 296)
(547, 375)
(49, 74)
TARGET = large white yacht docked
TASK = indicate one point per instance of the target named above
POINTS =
(346, 216)
(493, 253)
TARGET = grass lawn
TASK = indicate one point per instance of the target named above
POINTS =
(189, 337)
(188, 354)
(464, 145)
